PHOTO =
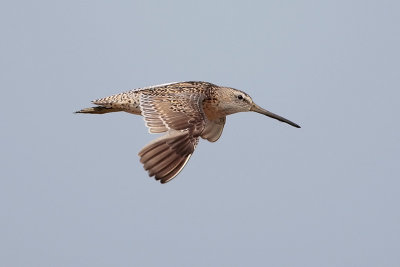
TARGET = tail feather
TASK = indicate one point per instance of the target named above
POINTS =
(98, 110)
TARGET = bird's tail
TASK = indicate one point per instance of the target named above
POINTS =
(98, 110)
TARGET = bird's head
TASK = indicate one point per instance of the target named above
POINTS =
(238, 101)
(234, 101)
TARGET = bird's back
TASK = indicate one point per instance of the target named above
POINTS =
(130, 101)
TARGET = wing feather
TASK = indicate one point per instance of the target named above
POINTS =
(166, 156)
(181, 115)
(178, 168)
(213, 129)
(173, 110)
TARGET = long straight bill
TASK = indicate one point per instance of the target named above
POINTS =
(265, 112)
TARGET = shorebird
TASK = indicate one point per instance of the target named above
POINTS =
(186, 111)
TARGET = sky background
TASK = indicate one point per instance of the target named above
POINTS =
(72, 189)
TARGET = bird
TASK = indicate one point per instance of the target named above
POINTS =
(185, 112)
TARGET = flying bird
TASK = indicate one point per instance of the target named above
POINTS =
(186, 111)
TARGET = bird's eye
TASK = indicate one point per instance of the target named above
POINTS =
(240, 97)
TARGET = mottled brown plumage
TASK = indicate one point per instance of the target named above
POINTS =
(186, 111)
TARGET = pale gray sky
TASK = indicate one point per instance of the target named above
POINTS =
(72, 190)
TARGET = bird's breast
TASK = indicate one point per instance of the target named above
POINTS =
(211, 109)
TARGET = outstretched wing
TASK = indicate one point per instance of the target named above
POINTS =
(166, 156)
(179, 113)
(173, 110)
